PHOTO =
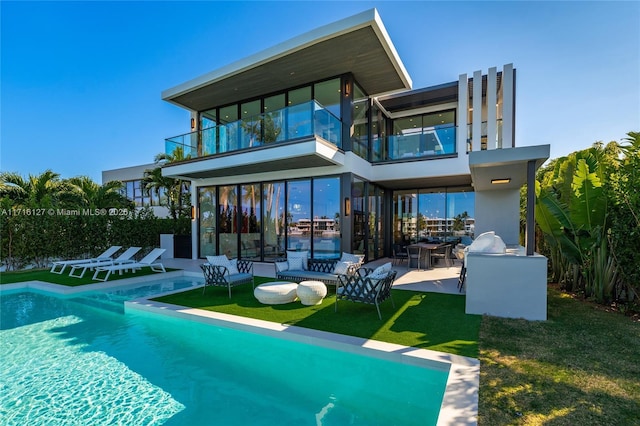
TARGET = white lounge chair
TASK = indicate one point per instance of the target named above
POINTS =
(125, 257)
(150, 260)
(62, 264)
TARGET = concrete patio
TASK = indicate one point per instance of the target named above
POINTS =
(438, 279)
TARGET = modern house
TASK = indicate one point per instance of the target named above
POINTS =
(327, 127)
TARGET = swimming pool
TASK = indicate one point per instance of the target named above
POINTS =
(81, 360)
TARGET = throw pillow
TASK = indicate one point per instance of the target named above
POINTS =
(303, 255)
(353, 258)
(341, 268)
(282, 266)
(295, 264)
(222, 260)
(382, 269)
(233, 267)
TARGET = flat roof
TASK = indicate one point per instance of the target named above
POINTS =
(358, 44)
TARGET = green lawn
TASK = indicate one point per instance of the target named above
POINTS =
(65, 279)
(424, 320)
(580, 367)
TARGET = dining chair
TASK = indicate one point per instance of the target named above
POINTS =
(413, 253)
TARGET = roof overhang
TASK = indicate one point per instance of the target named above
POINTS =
(359, 45)
(313, 152)
(435, 95)
(506, 168)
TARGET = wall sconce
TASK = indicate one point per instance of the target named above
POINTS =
(193, 213)
(347, 88)
(347, 206)
(193, 123)
(500, 181)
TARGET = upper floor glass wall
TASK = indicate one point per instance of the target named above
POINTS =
(314, 109)
(423, 135)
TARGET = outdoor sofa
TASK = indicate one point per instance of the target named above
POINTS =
(298, 267)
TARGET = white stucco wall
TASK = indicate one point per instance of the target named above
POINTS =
(507, 285)
(499, 211)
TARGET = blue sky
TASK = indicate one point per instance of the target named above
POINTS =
(81, 81)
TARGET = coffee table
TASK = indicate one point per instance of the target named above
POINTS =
(276, 293)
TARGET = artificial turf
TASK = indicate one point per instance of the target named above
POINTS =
(422, 320)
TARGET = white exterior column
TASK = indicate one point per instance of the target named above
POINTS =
(463, 105)
(507, 107)
(492, 83)
(477, 111)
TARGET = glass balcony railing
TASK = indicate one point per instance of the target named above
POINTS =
(429, 142)
(286, 124)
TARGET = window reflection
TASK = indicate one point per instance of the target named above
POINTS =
(326, 218)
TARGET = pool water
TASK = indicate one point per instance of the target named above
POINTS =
(82, 360)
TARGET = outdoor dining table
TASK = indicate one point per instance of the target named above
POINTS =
(426, 249)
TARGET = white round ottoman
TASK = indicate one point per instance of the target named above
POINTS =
(311, 292)
(276, 293)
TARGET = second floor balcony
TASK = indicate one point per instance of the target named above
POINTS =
(297, 122)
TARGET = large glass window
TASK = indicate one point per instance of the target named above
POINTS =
(274, 119)
(358, 210)
(273, 220)
(251, 124)
(379, 143)
(436, 215)
(360, 116)
(299, 215)
(229, 132)
(208, 138)
(326, 218)
(432, 215)
(207, 220)
(423, 135)
(405, 220)
(327, 93)
(251, 222)
(300, 113)
(228, 220)
(460, 214)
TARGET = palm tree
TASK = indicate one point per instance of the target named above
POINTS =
(42, 191)
(88, 193)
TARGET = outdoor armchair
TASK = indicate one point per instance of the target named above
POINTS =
(233, 273)
(365, 287)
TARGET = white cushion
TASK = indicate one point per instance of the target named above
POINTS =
(295, 264)
(353, 258)
(282, 266)
(233, 267)
(382, 269)
(304, 255)
(221, 260)
(341, 268)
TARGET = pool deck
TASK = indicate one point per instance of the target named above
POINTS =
(439, 279)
